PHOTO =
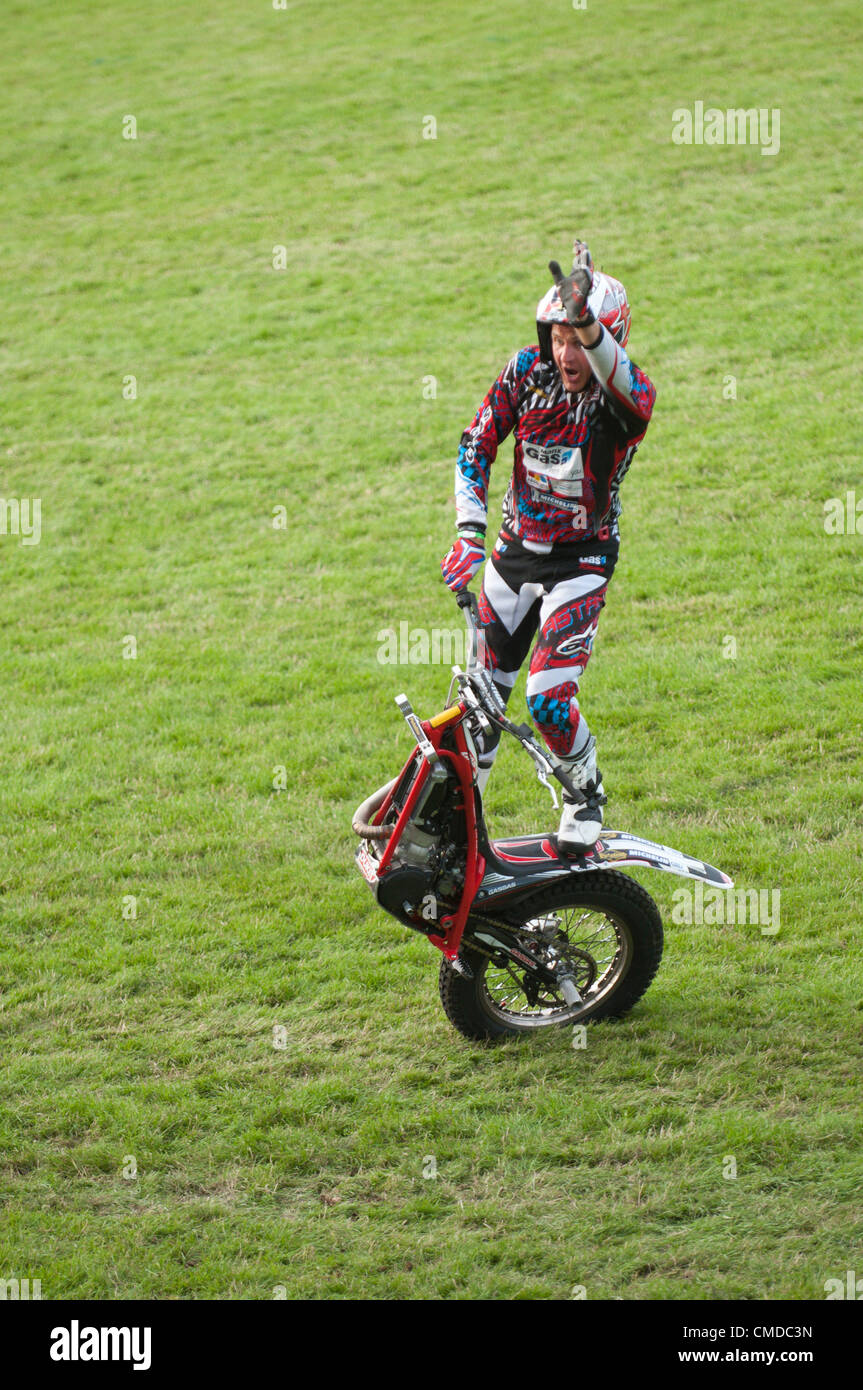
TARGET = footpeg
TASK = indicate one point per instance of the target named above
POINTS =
(569, 991)
(462, 968)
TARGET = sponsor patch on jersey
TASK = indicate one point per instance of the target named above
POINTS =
(555, 472)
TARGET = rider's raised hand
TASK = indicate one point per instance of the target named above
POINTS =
(575, 288)
(461, 563)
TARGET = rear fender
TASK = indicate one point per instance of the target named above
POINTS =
(522, 865)
(618, 847)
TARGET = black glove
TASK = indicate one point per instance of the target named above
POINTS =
(574, 290)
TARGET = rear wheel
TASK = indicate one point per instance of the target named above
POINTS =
(604, 925)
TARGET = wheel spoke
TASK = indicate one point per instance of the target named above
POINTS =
(591, 941)
(602, 930)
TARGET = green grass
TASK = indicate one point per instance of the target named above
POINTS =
(302, 1166)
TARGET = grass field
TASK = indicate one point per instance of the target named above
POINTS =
(197, 987)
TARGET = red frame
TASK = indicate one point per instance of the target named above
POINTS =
(453, 923)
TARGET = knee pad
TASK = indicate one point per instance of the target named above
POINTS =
(555, 713)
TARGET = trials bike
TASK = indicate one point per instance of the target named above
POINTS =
(531, 937)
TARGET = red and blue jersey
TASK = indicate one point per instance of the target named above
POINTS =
(571, 451)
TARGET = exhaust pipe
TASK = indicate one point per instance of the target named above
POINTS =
(363, 814)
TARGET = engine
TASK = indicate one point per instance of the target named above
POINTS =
(426, 873)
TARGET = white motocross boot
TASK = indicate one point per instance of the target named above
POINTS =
(581, 822)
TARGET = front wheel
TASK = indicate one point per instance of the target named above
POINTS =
(604, 925)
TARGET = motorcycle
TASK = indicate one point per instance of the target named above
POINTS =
(531, 936)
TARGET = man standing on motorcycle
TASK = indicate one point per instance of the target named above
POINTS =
(579, 409)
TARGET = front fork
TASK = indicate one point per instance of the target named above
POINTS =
(451, 924)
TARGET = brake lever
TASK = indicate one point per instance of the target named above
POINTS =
(545, 763)
(541, 777)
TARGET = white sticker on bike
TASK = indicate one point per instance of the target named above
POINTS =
(368, 867)
(554, 472)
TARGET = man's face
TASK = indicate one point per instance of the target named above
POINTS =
(569, 357)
